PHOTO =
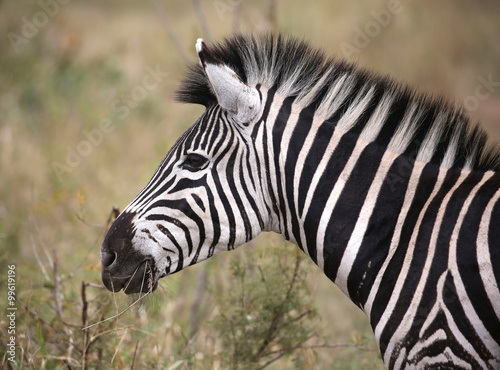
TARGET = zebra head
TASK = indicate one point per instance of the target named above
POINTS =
(205, 197)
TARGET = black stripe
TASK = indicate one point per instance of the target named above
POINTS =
(215, 225)
(313, 158)
(297, 140)
(467, 257)
(423, 191)
(265, 171)
(221, 190)
(180, 263)
(494, 241)
(379, 232)
(238, 205)
(245, 167)
(327, 181)
(278, 128)
(346, 212)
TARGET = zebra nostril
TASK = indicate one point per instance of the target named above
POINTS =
(107, 259)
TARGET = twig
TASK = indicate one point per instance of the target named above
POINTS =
(118, 346)
(113, 215)
(82, 219)
(56, 287)
(237, 17)
(129, 306)
(278, 313)
(203, 20)
(35, 252)
(172, 34)
(94, 285)
(272, 15)
(135, 355)
(113, 289)
(198, 296)
(34, 314)
(94, 337)
(48, 324)
(62, 358)
(84, 323)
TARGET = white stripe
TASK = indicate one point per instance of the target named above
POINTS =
(451, 322)
(406, 130)
(332, 200)
(417, 296)
(293, 121)
(438, 335)
(362, 222)
(308, 96)
(483, 255)
(410, 194)
(337, 94)
(316, 123)
(432, 138)
(271, 119)
(356, 108)
(447, 357)
(377, 119)
(474, 319)
(404, 273)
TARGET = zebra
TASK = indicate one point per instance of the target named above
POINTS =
(393, 193)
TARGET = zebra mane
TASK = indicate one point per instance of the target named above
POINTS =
(428, 128)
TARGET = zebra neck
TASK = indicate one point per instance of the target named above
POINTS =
(345, 199)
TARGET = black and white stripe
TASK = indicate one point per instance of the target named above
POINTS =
(391, 193)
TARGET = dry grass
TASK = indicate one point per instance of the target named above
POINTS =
(62, 83)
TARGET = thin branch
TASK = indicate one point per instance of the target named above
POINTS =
(105, 332)
(63, 358)
(113, 215)
(281, 353)
(272, 15)
(278, 313)
(84, 323)
(85, 222)
(203, 20)
(198, 297)
(172, 34)
(119, 344)
(93, 285)
(129, 306)
(34, 314)
(135, 355)
(237, 17)
(37, 257)
(56, 287)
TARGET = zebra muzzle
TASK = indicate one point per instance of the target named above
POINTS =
(136, 280)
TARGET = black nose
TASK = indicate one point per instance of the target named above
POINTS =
(108, 258)
(116, 251)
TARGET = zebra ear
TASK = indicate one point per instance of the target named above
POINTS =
(241, 101)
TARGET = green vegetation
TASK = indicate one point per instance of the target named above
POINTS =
(81, 133)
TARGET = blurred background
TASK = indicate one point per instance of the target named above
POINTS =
(86, 116)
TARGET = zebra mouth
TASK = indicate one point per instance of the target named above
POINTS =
(141, 280)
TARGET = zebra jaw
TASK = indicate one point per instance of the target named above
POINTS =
(239, 100)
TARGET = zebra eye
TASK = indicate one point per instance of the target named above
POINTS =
(194, 162)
